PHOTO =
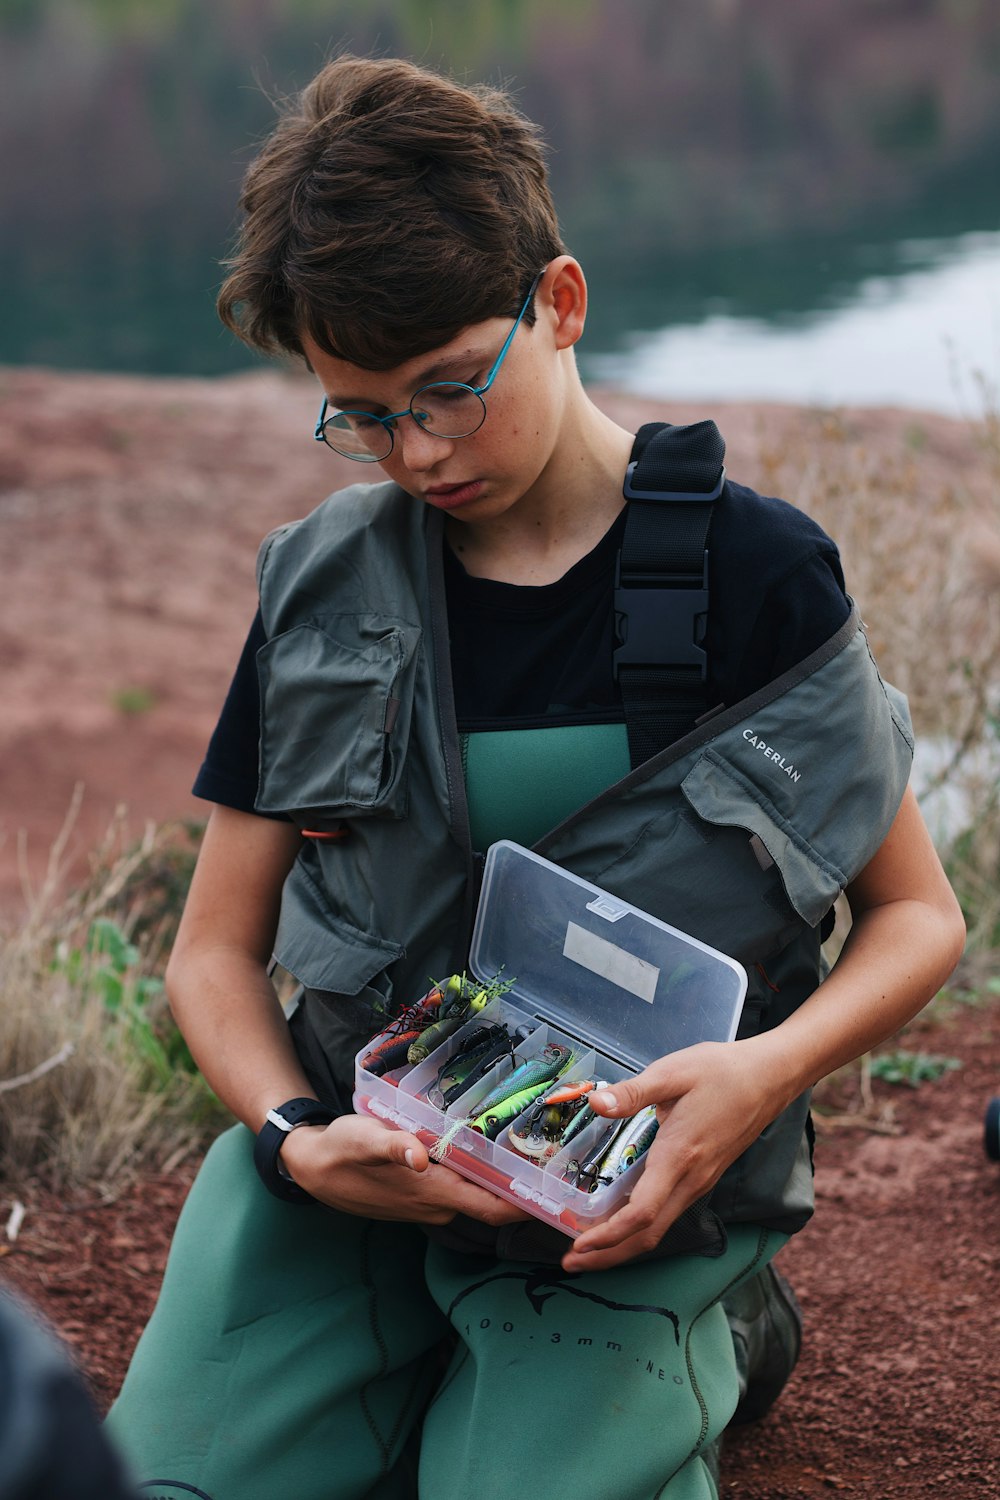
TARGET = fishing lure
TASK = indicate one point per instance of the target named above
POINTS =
(491, 1121)
(432, 1036)
(614, 1152)
(540, 1133)
(582, 1118)
(480, 1051)
(634, 1141)
(426, 1009)
(462, 999)
(523, 1085)
(407, 1026)
(552, 1061)
(391, 1052)
(582, 1171)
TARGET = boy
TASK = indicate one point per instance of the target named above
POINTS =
(433, 668)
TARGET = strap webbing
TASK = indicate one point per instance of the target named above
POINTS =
(661, 587)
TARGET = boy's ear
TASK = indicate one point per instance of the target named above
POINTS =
(565, 290)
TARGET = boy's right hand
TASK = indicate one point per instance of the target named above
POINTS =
(361, 1166)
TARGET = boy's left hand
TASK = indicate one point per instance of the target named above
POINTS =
(712, 1101)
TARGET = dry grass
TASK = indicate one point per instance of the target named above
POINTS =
(95, 1079)
(920, 536)
(920, 541)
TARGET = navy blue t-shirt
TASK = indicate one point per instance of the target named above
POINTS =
(540, 655)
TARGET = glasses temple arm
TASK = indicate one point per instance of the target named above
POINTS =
(482, 389)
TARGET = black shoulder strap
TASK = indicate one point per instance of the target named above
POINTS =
(661, 582)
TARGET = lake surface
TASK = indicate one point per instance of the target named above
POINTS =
(927, 337)
(771, 202)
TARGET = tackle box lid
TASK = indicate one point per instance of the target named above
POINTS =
(597, 967)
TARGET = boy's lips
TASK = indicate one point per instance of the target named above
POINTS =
(448, 496)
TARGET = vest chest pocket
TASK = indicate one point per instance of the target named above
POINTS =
(336, 703)
(722, 795)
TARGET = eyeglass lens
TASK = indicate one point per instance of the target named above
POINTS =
(445, 409)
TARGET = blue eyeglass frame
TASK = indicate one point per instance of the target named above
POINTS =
(477, 390)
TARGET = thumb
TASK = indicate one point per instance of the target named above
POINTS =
(405, 1150)
(654, 1085)
(371, 1143)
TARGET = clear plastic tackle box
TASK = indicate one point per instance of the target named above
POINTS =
(588, 973)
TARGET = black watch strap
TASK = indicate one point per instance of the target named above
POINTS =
(271, 1137)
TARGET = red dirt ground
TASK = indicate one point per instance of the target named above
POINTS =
(130, 512)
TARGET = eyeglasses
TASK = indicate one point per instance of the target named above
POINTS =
(444, 408)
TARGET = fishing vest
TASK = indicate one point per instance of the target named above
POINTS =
(742, 833)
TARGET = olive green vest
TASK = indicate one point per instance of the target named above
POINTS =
(743, 833)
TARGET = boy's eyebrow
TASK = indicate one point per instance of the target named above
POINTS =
(426, 376)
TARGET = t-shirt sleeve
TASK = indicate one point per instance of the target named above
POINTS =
(781, 591)
(228, 773)
(799, 613)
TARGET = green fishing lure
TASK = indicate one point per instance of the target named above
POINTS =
(553, 1060)
(519, 1089)
(492, 1120)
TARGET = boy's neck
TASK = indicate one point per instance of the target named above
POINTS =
(565, 515)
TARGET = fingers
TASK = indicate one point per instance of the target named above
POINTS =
(635, 1229)
(365, 1142)
(374, 1169)
(404, 1149)
(624, 1236)
(685, 1160)
(605, 1260)
(479, 1203)
(664, 1080)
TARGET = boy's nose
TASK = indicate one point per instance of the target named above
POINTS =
(420, 449)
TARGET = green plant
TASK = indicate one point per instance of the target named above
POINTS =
(95, 1079)
(134, 701)
(913, 1068)
(108, 962)
(109, 966)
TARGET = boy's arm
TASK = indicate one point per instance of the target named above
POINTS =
(715, 1098)
(226, 1007)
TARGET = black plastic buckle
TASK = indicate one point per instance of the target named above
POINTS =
(666, 495)
(659, 627)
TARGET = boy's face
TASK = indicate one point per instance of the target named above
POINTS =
(478, 477)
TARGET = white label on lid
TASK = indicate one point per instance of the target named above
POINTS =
(611, 962)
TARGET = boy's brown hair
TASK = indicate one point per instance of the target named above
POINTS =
(389, 209)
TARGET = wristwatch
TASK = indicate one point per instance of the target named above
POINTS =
(279, 1123)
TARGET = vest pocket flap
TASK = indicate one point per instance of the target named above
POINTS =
(322, 950)
(725, 797)
(336, 700)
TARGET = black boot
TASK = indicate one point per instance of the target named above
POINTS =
(765, 1321)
